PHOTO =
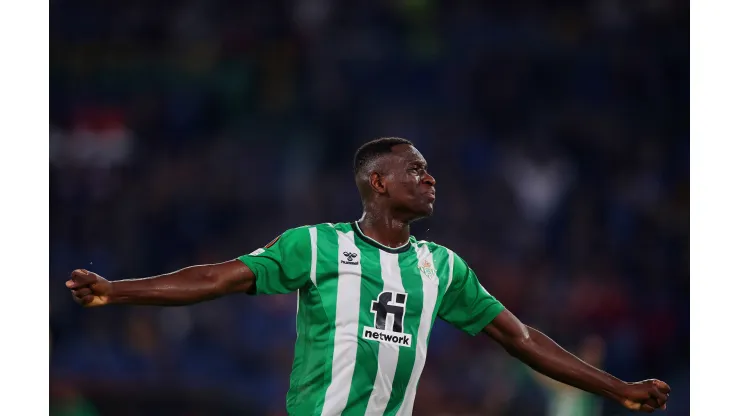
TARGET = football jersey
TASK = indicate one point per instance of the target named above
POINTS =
(365, 312)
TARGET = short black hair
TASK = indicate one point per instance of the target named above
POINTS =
(372, 149)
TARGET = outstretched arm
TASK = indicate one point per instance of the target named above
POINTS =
(282, 266)
(183, 287)
(545, 356)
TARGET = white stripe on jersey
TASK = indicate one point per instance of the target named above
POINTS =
(451, 261)
(314, 252)
(430, 288)
(387, 353)
(347, 320)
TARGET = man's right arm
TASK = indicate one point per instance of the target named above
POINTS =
(184, 287)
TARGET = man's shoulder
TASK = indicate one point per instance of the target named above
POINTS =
(300, 235)
(324, 226)
(433, 246)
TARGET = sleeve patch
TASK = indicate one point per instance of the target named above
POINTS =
(271, 243)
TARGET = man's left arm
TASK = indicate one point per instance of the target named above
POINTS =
(542, 354)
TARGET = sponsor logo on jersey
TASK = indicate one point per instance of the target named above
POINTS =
(389, 310)
(350, 258)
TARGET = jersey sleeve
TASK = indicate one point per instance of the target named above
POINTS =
(467, 305)
(283, 265)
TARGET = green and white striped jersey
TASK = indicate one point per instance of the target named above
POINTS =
(365, 312)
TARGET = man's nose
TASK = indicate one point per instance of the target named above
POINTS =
(429, 179)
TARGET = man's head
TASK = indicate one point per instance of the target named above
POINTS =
(390, 173)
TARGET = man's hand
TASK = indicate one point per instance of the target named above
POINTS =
(88, 288)
(543, 355)
(646, 396)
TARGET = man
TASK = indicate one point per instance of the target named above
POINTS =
(368, 295)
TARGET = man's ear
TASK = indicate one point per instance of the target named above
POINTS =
(377, 183)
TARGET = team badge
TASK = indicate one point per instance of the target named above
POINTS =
(427, 269)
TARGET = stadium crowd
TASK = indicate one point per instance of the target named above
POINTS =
(195, 131)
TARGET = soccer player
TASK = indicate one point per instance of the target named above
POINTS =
(368, 294)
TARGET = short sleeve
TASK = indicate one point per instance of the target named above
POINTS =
(466, 304)
(283, 265)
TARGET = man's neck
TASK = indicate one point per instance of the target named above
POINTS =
(384, 229)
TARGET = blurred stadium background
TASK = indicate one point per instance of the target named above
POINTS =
(184, 132)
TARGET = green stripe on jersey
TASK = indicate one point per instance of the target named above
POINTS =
(318, 327)
(434, 273)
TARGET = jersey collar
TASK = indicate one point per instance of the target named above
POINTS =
(359, 233)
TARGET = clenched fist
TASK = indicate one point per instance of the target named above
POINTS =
(88, 288)
(646, 396)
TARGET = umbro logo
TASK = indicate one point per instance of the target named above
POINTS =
(350, 258)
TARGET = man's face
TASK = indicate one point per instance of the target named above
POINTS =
(409, 185)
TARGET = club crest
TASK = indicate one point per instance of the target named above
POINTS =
(427, 269)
